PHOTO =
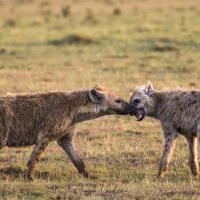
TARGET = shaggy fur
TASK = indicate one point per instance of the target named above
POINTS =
(178, 112)
(42, 118)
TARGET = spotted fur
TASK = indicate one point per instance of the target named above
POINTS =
(42, 118)
(179, 113)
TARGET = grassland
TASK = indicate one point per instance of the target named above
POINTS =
(50, 45)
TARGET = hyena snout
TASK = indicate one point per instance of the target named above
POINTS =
(138, 108)
(125, 109)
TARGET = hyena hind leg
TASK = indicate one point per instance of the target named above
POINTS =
(2, 143)
(67, 144)
(198, 133)
(193, 159)
(3, 138)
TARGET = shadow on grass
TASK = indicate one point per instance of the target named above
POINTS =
(72, 39)
(181, 193)
(162, 47)
(20, 172)
(165, 44)
(102, 189)
(14, 171)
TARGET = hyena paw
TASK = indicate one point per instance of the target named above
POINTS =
(88, 176)
(196, 173)
(92, 177)
(30, 177)
(194, 168)
(160, 175)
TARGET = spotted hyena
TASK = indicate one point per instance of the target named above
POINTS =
(42, 118)
(178, 112)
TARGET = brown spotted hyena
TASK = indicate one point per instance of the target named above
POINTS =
(42, 118)
(178, 112)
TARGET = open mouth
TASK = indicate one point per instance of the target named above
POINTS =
(140, 114)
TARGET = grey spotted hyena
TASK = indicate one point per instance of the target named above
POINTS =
(42, 118)
(178, 112)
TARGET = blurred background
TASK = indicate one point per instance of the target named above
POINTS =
(61, 45)
(48, 45)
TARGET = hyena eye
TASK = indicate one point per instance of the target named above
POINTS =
(137, 101)
(118, 100)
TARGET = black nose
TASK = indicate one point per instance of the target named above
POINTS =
(133, 110)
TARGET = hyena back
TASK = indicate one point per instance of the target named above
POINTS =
(178, 112)
(42, 118)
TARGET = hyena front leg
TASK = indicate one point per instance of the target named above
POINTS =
(38, 149)
(170, 140)
(193, 160)
(66, 142)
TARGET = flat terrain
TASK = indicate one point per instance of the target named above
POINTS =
(48, 45)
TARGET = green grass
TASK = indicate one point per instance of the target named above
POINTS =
(57, 45)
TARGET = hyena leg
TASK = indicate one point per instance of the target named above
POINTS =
(2, 142)
(3, 136)
(170, 140)
(67, 144)
(35, 157)
(5, 123)
(193, 160)
(198, 133)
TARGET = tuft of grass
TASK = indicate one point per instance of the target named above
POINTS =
(117, 11)
(2, 51)
(90, 18)
(72, 39)
(65, 11)
(10, 23)
(161, 47)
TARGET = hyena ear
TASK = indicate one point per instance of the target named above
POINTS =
(95, 96)
(97, 86)
(149, 89)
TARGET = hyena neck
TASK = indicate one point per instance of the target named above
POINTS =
(87, 113)
(153, 105)
(85, 109)
(158, 100)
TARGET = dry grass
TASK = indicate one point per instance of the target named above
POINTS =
(57, 45)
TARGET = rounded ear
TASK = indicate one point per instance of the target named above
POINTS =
(149, 89)
(97, 86)
(94, 95)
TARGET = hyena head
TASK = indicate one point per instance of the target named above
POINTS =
(142, 100)
(108, 102)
